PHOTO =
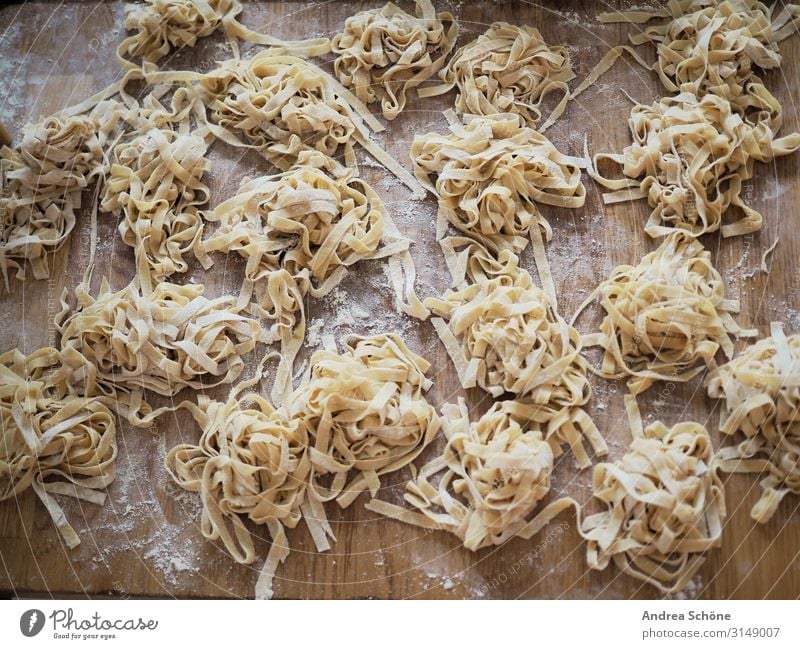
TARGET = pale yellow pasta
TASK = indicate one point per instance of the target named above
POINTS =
(383, 53)
(504, 335)
(55, 444)
(666, 318)
(118, 344)
(508, 69)
(494, 472)
(490, 177)
(300, 231)
(716, 46)
(360, 412)
(250, 461)
(283, 105)
(164, 25)
(364, 410)
(665, 507)
(689, 159)
(41, 182)
(760, 389)
(155, 184)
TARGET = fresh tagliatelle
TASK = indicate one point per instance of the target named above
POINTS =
(490, 177)
(362, 411)
(665, 506)
(508, 69)
(504, 336)
(383, 53)
(300, 231)
(365, 410)
(760, 389)
(155, 183)
(164, 25)
(283, 105)
(55, 444)
(689, 159)
(714, 46)
(666, 317)
(250, 461)
(118, 344)
(41, 182)
(494, 472)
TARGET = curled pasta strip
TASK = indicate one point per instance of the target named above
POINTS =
(495, 473)
(117, 345)
(760, 389)
(163, 25)
(665, 507)
(361, 411)
(504, 336)
(283, 105)
(666, 317)
(52, 443)
(41, 183)
(715, 46)
(689, 158)
(490, 177)
(508, 69)
(155, 183)
(365, 411)
(251, 461)
(300, 231)
(384, 53)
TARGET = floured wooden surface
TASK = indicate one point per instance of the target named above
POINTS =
(146, 540)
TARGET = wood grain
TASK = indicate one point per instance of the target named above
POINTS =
(146, 540)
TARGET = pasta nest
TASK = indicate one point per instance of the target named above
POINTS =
(364, 410)
(52, 442)
(383, 53)
(119, 344)
(509, 69)
(665, 505)
(251, 461)
(315, 218)
(497, 470)
(490, 176)
(282, 105)
(40, 184)
(156, 184)
(693, 155)
(490, 477)
(715, 47)
(512, 335)
(665, 316)
(164, 24)
(761, 394)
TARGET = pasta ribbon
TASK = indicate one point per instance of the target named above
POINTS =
(53, 443)
(490, 177)
(689, 159)
(665, 507)
(300, 231)
(665, 318)
(384, 53)
(504, 336)
(508, 69)
(494, 472)
(164, 25)
(760, 389)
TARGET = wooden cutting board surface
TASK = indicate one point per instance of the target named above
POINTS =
(146, 540)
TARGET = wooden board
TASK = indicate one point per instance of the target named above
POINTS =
(146, 541)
